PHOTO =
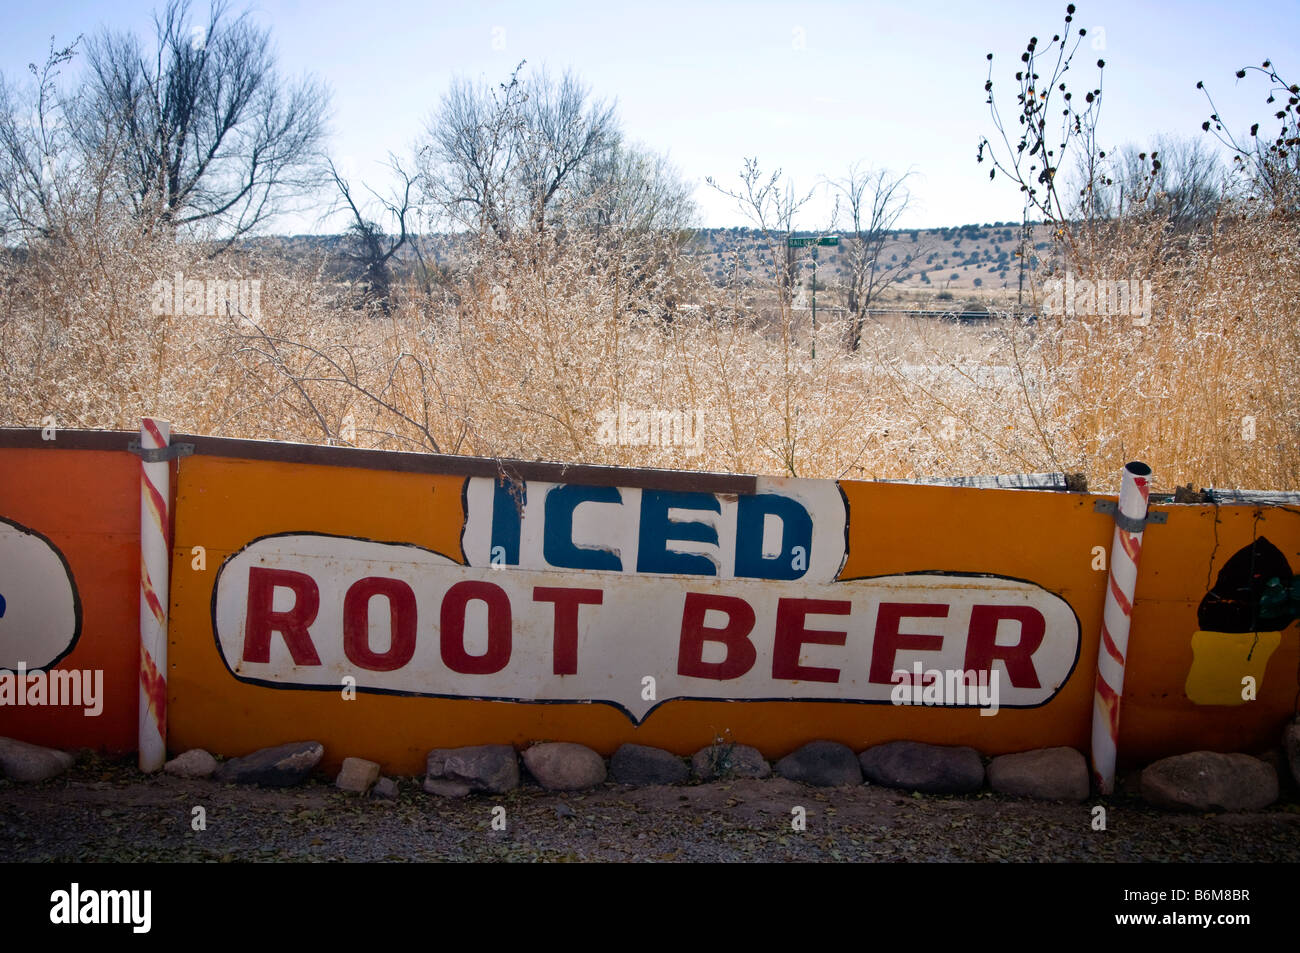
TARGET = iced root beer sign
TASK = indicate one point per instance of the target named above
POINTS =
(628, 597)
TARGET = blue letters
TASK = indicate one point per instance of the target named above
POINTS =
(558, 548)
(796, 530)
(653, 554)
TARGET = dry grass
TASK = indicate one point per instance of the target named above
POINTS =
(522, 352)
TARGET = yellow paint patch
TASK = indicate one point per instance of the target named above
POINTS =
(1222, 660)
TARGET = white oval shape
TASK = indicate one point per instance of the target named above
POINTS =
(848, 641)
(40, 620)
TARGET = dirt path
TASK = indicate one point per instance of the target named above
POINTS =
(105, 811)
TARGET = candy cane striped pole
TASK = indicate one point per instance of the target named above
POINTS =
(1125, 551)
(155, 561)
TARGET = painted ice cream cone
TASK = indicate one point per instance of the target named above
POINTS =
(1231, 649)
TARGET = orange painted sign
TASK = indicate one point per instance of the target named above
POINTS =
(317, 611)
(395, 612)
(69, 590)
(406, 602)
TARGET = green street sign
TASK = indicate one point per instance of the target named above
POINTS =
(805, 242)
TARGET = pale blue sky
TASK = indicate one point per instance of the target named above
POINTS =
(807, 87)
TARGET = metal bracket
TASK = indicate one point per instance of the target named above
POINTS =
(1127, 523)
(159, 454)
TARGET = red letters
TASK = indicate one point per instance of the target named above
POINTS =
(356, 623)
(292, 624)
(981, 648)
(791, 636)
(452, 628)
(889, 640)
(734, 635)
(733, 644)
(566, 621)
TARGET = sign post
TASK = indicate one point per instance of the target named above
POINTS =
(1112, 652)
(155, 563)
(825, 240)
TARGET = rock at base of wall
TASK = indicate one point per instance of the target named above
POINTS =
(717, 762)
(1210, 781)
(1049, 774)
(826, 764)
(1291, 742)
(444, 788)
(195, 763)
(564, 766)
(357, 775)
(280, 767)
(930, 769)
(487, 769)
(385, 789)
(20, 761)
(643, 765)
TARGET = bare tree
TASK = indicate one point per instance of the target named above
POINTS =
(1188, 185)
(1177, 180)
(771, 204)
(207, 131)
(510, 158)
(537, 170)
(469, 154)
(872, 201)
(41, 172)
(371, 246)
(564, 134)
(637, 214)
(632, 188)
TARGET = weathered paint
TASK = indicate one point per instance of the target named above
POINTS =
(40, 612)
(155, 552)
(1116, 621)
(84, 506)
(892, 543)
(659, 560)
(300, 610)
(1220, 660)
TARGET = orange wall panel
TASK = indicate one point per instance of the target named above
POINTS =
(960, 535)
(289, 578)
(86, 503)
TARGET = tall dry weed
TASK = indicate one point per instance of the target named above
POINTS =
(528, 350)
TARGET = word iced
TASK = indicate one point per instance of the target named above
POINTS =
(766, 535)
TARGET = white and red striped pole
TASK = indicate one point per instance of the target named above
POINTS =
(155, 563)
(1125, 552)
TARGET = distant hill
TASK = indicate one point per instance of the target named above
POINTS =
(971, 262)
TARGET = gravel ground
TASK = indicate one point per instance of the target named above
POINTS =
(106, 811)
